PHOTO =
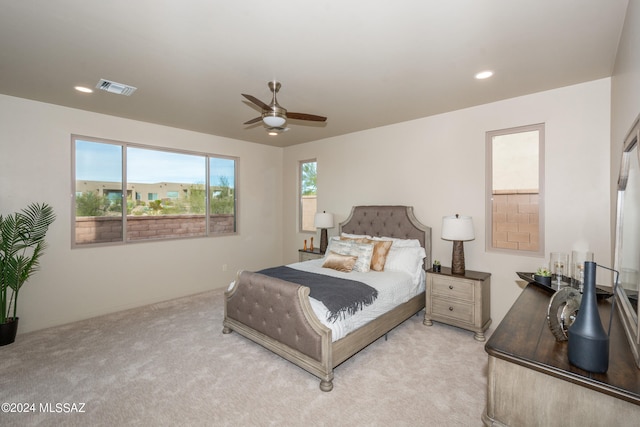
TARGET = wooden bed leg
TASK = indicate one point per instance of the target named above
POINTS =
(326, 385)
(227, 330)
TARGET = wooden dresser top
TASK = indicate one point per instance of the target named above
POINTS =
(524, 338)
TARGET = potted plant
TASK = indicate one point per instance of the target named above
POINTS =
(21, 246)
(543, 276)
(436, 266)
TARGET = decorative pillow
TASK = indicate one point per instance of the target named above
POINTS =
(380, 252)
(355, 239)
(355, 236)
(401, 243)
(364, 252)
(332, 243)
(339, 262)
(409, 260)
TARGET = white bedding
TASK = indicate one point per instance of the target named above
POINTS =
(394, 288)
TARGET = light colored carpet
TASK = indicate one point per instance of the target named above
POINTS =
(170, 364)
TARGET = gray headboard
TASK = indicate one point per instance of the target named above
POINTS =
(389, 221)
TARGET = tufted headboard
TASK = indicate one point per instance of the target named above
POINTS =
(388, 221)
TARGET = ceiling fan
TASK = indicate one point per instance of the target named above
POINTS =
(274, 116)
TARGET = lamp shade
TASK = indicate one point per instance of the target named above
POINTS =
(274, 121)
(323, 220)
(457, 227)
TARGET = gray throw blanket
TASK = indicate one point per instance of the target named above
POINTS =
(340, 296)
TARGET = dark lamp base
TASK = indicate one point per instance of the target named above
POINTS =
(457, 262)
(324, 241)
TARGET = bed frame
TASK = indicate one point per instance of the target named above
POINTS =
(277, 314)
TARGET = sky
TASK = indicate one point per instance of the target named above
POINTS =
(515, 162)
(103, 162)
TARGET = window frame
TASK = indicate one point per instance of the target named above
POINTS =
(301, 164)
(207, 157)
(489, 199)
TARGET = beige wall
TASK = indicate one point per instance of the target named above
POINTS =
(35, 151)
(437, 165)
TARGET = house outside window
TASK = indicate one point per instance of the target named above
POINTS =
(187, 194)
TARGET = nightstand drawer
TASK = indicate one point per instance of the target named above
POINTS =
(453, 288)
(453, 310)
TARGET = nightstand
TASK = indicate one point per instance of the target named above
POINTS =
(462, 301)
(308, 255)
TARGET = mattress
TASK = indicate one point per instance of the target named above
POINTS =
(394, 288)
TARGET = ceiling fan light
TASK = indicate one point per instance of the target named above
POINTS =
(274, 121)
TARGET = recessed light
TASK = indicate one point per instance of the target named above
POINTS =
(83, 89)
(484, 75)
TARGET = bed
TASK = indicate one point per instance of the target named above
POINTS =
(280, 315)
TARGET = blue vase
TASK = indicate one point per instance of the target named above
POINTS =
(588, 341)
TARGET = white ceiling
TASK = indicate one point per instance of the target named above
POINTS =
(363, 64)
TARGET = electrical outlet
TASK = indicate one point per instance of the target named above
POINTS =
(224, 267)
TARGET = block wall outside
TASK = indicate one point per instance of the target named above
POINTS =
(109, 229)
(516, 219)
(309, 209)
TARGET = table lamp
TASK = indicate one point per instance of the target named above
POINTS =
(323, 220)
(457, 228)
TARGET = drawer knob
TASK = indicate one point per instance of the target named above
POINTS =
(450, 286)
(450, 308)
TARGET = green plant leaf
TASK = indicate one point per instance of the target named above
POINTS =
(22, 243)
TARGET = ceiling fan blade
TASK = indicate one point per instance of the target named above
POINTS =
(252, 121)
(304, 116)
(257, 102)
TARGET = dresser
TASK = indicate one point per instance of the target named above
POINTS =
(459, 300)
(530, 381)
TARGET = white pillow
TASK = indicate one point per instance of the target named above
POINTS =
(408, 260)
(401, 243)
(364, 252)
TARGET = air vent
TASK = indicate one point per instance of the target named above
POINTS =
(113, 87)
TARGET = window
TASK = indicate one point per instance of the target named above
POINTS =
(128, 192)
(308, 194)
(515, 190)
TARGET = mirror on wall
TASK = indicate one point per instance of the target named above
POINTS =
(627, 250)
